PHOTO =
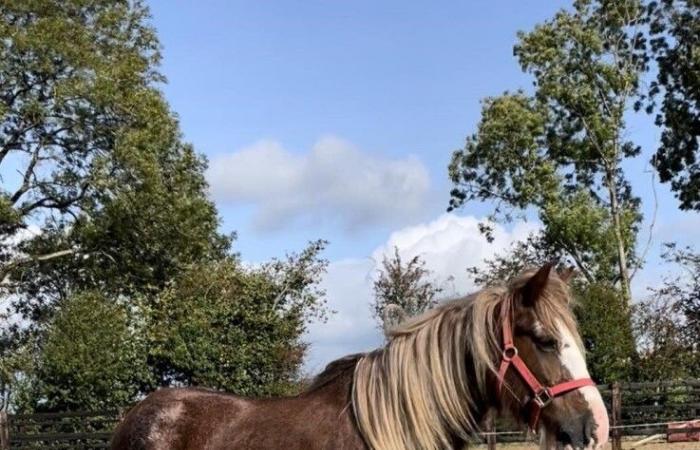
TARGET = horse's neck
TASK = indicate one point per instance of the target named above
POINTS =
(335, 391)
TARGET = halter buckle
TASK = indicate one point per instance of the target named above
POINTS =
(543, 398)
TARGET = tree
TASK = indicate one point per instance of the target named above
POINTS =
(109, 199)
(92, 358)
(110, 216)
(675, 32)
(606, 331)
(402, 290)
(668, 322)
(239, 329)
(83, 123)
(663, 350)
(526, 254)
(559, 152)
(132, 246)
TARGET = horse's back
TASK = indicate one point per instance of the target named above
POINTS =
(175, 419)
(194, 419)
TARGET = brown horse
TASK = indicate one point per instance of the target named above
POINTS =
(513, 348)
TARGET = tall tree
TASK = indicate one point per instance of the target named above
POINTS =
(87, 142)
(402, 289)
(109, 216)
(107, 195)
(559, 151)
(675, 32)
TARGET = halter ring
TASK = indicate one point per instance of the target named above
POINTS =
(510, 352)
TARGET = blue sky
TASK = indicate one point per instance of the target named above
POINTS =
(337, 120)
(392, 78)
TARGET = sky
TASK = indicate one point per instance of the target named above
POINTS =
(336, 120)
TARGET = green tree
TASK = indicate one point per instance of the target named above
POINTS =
(108, 198)
(522, 255)
(239, 329)
(109, 216)
(402, 289)
(559, 151)
(675, 39)
(77, 108)
(667, 324)
(133, 245)
(606, 331)
(103, 175)
(664, 353)
(91, 358)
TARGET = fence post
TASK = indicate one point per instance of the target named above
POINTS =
(491, 429)
(4, 431)
(616, 416)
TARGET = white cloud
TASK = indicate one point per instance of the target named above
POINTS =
(448, 245)
(333, 182)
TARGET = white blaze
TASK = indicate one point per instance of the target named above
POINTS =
(573, 360)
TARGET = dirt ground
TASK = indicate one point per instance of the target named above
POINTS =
(626, 445)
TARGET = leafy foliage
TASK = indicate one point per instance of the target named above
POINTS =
(402, 289)
(606, 330)
(107, 237)
(675, 31)
(91, 358)
(104, 175)
(134, 245)
(667, 324)
(78, 112)
(559, 151)
(239, 329)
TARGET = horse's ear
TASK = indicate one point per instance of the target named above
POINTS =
(536, 285)
(568, 274)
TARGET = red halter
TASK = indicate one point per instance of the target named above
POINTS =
(541, 396)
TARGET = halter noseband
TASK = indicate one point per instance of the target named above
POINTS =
(541, 396)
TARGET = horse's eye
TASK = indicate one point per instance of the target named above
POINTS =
(547, 344)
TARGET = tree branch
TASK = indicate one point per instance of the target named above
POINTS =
(28, 175)
(5, 271)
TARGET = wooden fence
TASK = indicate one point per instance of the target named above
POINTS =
(635, 409)
(68, 430)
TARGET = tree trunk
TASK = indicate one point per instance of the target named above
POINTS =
(617, 226)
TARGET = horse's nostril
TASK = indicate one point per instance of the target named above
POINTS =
(564, 437)
(578, 433)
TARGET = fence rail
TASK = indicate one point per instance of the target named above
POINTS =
(83, 430)
(635, 409)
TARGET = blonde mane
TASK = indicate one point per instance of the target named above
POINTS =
(418, 393)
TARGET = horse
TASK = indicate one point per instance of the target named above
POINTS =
(512, 348)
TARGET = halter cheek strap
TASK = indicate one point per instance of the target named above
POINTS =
(541, 396)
